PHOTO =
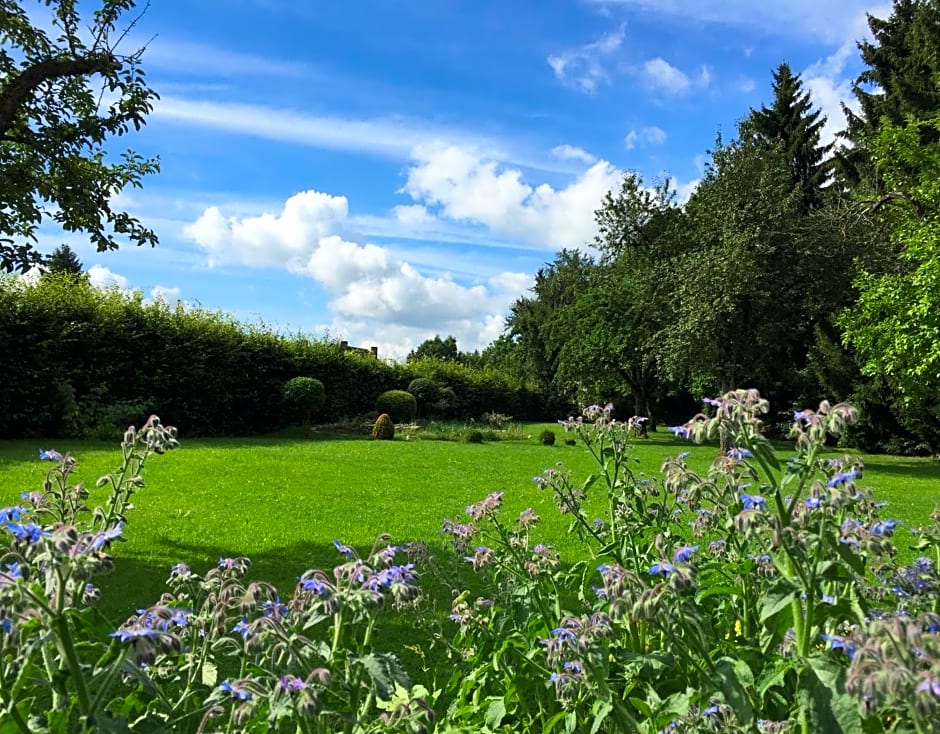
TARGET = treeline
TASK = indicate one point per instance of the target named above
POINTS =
(82, 362)
(805, 270)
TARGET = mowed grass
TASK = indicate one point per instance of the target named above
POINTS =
(282, 501)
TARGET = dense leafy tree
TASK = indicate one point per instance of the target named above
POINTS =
(791, 121)
(536, 322)
(733, 304)
(896, 323)
(443, 349)
(64, 260)
(62, 96)
(608, 339)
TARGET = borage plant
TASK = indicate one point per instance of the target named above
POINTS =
(759, 595)
(215, 653)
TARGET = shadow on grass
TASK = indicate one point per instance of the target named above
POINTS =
(914, 469)
(137, 583)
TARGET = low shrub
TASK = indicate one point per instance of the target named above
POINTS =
(384, 428)
(400, 405)
(427, 394)
(547, 438)
(457, 431)
(475, 436)
(304, 397)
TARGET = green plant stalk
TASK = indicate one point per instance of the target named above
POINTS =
(75, 668)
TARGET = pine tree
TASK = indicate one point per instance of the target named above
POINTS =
(903, 64)
(791, 122)
(64, 260)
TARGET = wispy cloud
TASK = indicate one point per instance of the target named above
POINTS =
(584, 68)
(389, 137)
(659, 74)
(202, 60)
(650, 135)
(573, 153)
(392, 137)
(826, 21)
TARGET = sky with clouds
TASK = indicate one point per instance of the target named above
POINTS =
(384, 172)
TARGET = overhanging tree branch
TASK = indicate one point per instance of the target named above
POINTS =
(20, 87)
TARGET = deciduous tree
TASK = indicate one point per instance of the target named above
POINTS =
(65, 91)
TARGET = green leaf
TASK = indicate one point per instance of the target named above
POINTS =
(829, 707)
(728, 670)
(385, 671)
(716, 591)
(777, 598)
(495, 713)
(571, 722)
(601, 710)
(550, 724)
(210, 674)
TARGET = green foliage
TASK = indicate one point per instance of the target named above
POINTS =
(791, 122)
(435, 430)
(547, 438)
(895, 325)
(384, 428)
(304, 397)
(530, 320)
(475, 436)
(471, 392)
(399, 404)
(77, 354)
(64, 260)
(54, 126)
(897, 84)
(427, 393)
(437, 348)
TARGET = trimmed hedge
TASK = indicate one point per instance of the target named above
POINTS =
(78, 361)
(399, 404)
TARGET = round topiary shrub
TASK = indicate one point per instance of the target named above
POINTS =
(304, 397)
(547, 438)
(475, 436)
(426, 392)
(384, 428)
(401, 406)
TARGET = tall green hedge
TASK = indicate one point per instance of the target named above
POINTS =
(78, 361)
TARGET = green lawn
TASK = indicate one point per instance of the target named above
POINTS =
(282, 501)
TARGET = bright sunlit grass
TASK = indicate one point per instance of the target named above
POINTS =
(282, 501)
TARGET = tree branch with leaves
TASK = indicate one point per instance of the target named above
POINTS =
(65, 90)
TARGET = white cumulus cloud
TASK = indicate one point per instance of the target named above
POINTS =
(466, 186)
(101, 277)
(165, 294)
(373, 292)
(572, 153)
(660, 74)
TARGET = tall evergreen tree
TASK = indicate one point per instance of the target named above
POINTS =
(898, 83)
(64, 260)
(791, 122)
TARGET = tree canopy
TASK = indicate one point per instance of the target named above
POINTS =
(64, 93)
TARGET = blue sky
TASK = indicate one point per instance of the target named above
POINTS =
(386, 171)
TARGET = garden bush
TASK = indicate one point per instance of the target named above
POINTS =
(401, 406)
(426, 392)
(475, 436)
(547, 438)
(384, 428)
(304, 398)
